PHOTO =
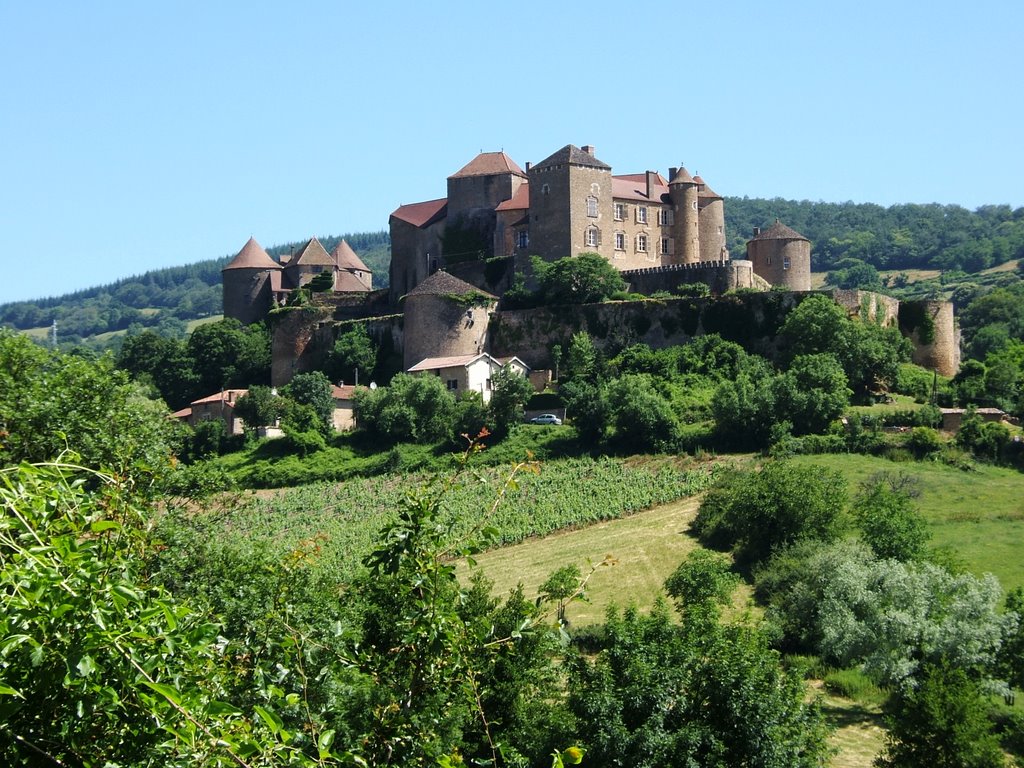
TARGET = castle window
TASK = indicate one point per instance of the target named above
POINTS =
(452, 384)
(665, 217)
(620, 211)
(641, 214)
(593, 237)
(592, 207)
(641, 243)
(620, 241)
(695, 205)
(785, 262)
(667, 245)
(522, 238)
(545, 190)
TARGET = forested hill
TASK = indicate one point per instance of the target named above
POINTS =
(907, 236)
(164, 299)
(898, 237)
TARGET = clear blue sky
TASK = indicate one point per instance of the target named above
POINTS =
(136, 135)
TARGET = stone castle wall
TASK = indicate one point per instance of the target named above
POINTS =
(443, 328)
(931, 327)
(719, 276)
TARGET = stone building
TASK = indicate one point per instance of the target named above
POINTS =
(568, 203)
(782, 256)
(445, 317)
(253, 282)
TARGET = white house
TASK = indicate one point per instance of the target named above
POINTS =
(469, 372)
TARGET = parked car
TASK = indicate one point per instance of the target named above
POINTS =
(546, 418)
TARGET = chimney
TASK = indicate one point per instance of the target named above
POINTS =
(528, 164)
(651, 177)
(588, 148)
(757, 231)
(672, 172)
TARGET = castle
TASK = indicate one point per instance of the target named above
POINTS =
(453, 257)
(569, 203)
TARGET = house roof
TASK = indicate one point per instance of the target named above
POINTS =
(346, 258)
(422, 214)
(346, 282)
(520, 201)
(441, 283)
(456, 361)
(488, 164)
(228, 395)
(344, 391)
(572, 155)
(252, 256)
(312, 254)
(779, 231)
(634, 187)
(706, 191)
(184, 413)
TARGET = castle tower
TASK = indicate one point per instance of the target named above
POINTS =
(682, 190)
(931, 328)
(571, 205)
(310, 260)
(781, 256)
(710, 222)
(352, 274)
(247, 282)
(445, 317)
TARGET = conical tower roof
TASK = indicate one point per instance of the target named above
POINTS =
(681, 176)
(779, 231)
(442, 284)
(252, 256)
(704, 190)
(346, 258)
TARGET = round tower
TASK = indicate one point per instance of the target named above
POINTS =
(445, 317)
(782, 256)
(711, 222)
(682, 191)
(932, 330)
(248, 283)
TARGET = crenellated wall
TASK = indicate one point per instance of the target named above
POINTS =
(719, 276)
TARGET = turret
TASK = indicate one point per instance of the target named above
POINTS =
(682, 190)
(248, 283)
(711, 222)
(782, 256)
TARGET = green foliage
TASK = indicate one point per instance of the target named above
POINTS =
(258, 407)
(509, 393)
(854, 273)
(985, 439)
(812, 393)
(701, 694)
(225, 354)
(315, 390)
(702, 582)
(51, 403)
(758, 513)
(1011, 655)
(581, 361)
(643, 419)
(943, 723)
(582, 279)
(889, 522)
(353, 351)
(587, 408)
(414, 408)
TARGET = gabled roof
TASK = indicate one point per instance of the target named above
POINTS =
(634, 187)
(520, 201)
(489, 164)
(572, 155)
(463, 361)
(252, 256)
(779, 231)
(442, 284)
(422, 214)
(227, 396)
(312, 254)
(346, 258)
(346, 282)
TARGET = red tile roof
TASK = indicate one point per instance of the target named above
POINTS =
(572, 155)
(520, 201)
(634, 187)
(346, 282)
(344, 391)
(779, 231)
(346, 258)
(457, 361)
(682, 176)
(488, 164)
(422, 214)
(312, 254)
(229, 396)
(252, 256)
(443, 284)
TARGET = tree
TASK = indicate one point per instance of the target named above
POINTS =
(587, 407)
(411, 408)
(812, 393)
(744, 407)
(224, 354)
(1011, 655)
(760, 512)
(890, 523)
(315, 390)
(258, 407)
(702, 582)
(583, 279)
(509, 394)
(353, 351)
(643, 419)
(581, 361)
(942, 723)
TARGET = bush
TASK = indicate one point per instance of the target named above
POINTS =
(854, 684)
(924, 441)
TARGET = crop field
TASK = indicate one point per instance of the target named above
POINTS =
(343, 519)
